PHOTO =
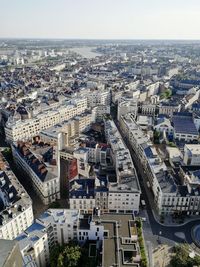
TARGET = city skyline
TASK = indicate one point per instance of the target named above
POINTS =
(100, 19)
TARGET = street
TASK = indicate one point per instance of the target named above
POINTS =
(157, 228)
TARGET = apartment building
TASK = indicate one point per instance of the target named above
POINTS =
(33, 243)
(82, 194)
(148, 109)
(39, 163)
(16, 130)
(16, 212)
(124, 193)
(126, 105)
(97, 152)
(191, 154)
(134, 134)
(60, 224)
(100, 111)
(97, 97)
(10, 254)
(168, 196)
(64, 225)
(67, 132)
(169, 108)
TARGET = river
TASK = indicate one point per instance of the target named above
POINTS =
(85, 51)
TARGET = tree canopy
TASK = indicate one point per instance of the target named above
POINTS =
(69, 257)
(181, 257)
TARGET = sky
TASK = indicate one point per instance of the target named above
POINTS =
(100, 19)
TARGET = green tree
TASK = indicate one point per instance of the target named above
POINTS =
(69, 257)
(196, 261)
(182, 258)
(156, 137)
(54, 255)
(54, 205)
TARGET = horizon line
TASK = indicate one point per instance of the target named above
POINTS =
(99, 39)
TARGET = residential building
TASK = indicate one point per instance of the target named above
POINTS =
(34, 246)
(126, 105)
(124, 193)
(41, 163)
(64, 225)
(16, 213)
(10, 254)
(168, 108)
(26, 129)
(191, 154)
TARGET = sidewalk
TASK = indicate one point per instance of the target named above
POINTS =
(169, 221)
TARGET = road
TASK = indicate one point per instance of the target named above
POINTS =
(156, 227)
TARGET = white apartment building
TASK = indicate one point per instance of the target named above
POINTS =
(169, 108)
(153, 89)
(82, 195)
(95, 231)
(168, 197)
(57, 226)
(145, 70)
(81, 154)
(34, 246)
(133, 133)
(16, 213)
(99, 112)
(16, 130)
(42, 168)
(97, 153)
(126, 105)
(96, 96)
(66, 133)
(191, 154)
(61, 225)
(123, 199)
(127, 181)
(64, 225)
(148, 109)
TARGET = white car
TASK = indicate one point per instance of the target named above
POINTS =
(143, 219)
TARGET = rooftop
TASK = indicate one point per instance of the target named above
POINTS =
(6, 247)
(59, 215)
(32, 234)
(13, 198)
(40, 158)
(120, 234)
(183, 123)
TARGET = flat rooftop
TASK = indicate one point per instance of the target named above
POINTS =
(6, 247)
(118, 226)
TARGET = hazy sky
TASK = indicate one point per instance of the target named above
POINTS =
(106, 19)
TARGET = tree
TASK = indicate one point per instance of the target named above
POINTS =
(196, 261)
(69, 257)
(156, 136)
(182, 258)
(54, 255)
(54, 205)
